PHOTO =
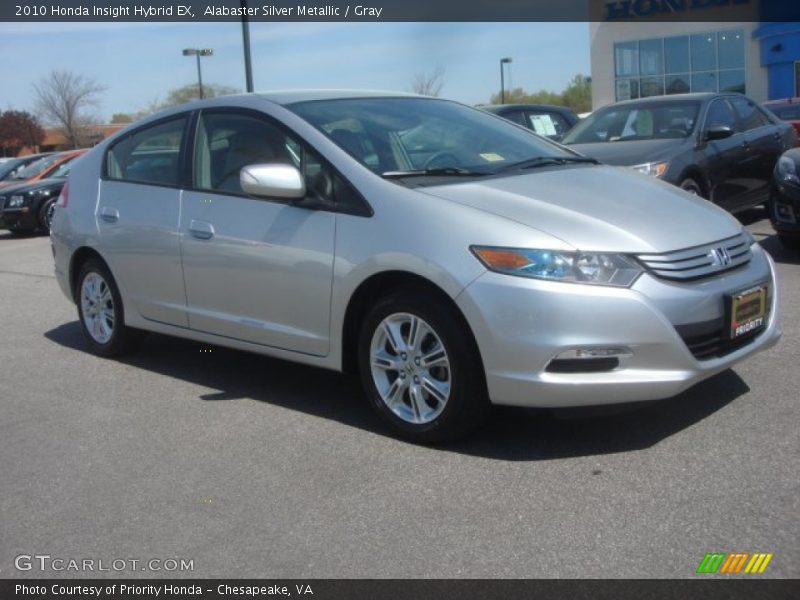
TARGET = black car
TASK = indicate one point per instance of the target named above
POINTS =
(10, 167)
(720, 146)
(28, 207)
(785, 206)
(550, 121)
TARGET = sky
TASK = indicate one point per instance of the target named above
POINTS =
(140, 62)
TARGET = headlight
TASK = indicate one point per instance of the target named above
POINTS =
(573, 267)
(656, 169)
(787, 170)
(16, 202)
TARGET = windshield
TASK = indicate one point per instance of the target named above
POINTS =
(64, 168)
(9, 166)
(397, 135)
(34, 169)
(631, 122)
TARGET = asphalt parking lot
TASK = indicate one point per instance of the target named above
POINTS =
(254, 467)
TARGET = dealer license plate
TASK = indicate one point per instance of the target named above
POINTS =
(748, 312)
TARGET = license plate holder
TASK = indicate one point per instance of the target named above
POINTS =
(746, 311)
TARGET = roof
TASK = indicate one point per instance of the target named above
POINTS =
(699, 96)
(500, 107)
(285, 97)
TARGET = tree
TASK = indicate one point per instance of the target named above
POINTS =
(19, 129)
(428, 84)
(190, 92)
(577, 95)
(121, 118)
(63, 97)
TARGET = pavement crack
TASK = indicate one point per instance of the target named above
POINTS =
(4, 272)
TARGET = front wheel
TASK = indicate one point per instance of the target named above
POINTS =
(46, 215)
(691, 186)
(420, 368)
(100, 311)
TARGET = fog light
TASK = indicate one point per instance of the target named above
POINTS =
(585, 353)
(784, 213)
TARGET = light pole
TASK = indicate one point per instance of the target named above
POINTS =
(503, 61)
(198, 52)
(248, 67)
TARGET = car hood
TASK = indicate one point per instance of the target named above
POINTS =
(598, 208)
(636, 152)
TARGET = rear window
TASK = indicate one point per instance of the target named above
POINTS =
(787, 112)
(150, 155)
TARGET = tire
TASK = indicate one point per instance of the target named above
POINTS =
(45, 216)
(691, 186)
(439, 402)
(790, 242)
(100, 311)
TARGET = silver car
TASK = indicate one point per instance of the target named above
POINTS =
(451, 258)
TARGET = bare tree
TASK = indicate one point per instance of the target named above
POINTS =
(428, 84)
(63, 98)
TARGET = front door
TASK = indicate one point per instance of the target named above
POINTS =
(255, 270)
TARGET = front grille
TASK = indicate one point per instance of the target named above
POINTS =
(699, 261)
(708, 340)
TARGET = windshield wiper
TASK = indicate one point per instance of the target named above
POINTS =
(454, 171)
(540, 161)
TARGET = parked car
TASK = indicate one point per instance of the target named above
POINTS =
(41, 169)
(498, 267)
(786, 110)
(550, 121)
(785, 206)
(722, 147)
(28, 207)
(11, 166)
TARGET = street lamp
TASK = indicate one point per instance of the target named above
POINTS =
(198, 52)
(503, 61)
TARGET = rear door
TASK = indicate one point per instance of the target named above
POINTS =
(138, 215)
(725, 157)
(257, 270)
(763, 146)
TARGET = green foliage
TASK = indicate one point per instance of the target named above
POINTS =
(121, 118)
(191, 91)
(577, 95)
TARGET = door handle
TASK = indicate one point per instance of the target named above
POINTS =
(109, 215)
(746, 145)
(201, 230)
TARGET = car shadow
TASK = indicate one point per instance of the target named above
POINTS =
(509, 434)
(778, 252)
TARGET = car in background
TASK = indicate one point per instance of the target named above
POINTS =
(11, 166)
(42, 168)
(784, 209)
(29, 206)
(326, 228)
(722, 147)
(786, 110)
(550, 121)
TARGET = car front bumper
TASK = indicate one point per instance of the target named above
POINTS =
(522, 324)
(18, 218)
(785, 209)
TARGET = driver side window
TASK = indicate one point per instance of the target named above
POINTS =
(720, 114)
(227, 142)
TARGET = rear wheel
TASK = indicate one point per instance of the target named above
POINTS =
(420, 368)
(101, 313)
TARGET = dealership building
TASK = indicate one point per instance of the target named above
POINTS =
(634, 56)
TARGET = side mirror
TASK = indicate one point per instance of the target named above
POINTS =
(718, 132)
(272, 180)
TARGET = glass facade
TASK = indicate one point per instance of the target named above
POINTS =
(703, 62)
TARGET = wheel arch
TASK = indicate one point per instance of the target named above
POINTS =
(695, 173)
(79, 258)
(377, 286)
